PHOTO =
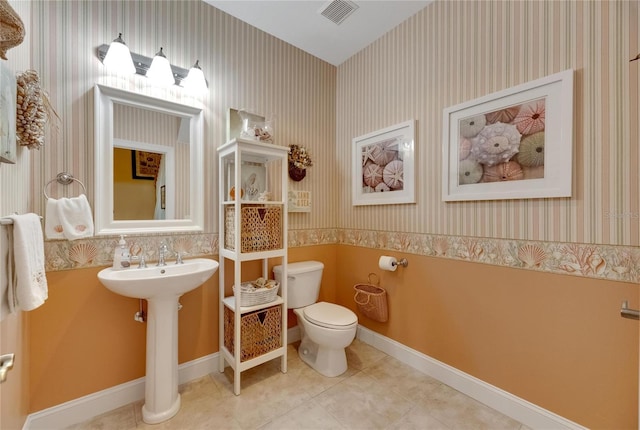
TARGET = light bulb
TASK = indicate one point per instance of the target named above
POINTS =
(160, 71)
(195, 81)
(118, 57)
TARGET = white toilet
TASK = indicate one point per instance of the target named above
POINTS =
(326, 328)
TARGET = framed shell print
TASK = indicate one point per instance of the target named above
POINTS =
(512, 144)
(384, 165)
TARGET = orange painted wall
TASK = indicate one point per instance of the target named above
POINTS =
(84, 338)
(557, 341)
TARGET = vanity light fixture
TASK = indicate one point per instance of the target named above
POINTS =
(195, 80)
(160, 71)
(178, 75)
(118, 57)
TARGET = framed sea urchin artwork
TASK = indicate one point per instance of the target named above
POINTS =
(512, 144)
(383, 166)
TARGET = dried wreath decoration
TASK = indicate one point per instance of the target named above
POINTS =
(33, 111)
(299, 157)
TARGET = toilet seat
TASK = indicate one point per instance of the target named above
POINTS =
(330, 315)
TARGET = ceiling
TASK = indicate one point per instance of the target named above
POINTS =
(299, 23)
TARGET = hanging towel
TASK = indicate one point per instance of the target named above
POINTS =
(28, 288)
(75, 217)
(52, 225)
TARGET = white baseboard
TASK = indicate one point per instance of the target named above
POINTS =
(87, 407)
(519, 409)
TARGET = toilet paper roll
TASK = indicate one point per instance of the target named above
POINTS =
(387, 263)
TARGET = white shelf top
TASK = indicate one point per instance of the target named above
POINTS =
(254, 150)
(230, 302)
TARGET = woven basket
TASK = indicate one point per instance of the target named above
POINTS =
(372, 300)
(257, 296)
(260, 228)
(260, 332)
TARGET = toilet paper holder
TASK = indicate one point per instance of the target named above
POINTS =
(402, 262)
(391, 263)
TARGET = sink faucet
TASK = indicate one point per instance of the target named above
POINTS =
(161, 254)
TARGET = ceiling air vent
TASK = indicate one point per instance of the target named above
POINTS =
(338, 10)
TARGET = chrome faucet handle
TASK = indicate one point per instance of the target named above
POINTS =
(140, 258)
(161, 254)
(179, 256)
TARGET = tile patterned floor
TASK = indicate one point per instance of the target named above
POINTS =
(376, 392)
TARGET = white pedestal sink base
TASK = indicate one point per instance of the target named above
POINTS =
(162, 400)
(161, 286)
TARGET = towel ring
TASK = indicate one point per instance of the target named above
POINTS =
(63, 179)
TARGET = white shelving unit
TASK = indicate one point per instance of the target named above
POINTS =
(263, 167)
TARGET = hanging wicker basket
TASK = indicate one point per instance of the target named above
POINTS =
(372, 299)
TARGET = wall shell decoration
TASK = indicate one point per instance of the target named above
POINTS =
(516, 143)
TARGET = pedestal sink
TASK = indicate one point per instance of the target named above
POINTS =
(161, 286)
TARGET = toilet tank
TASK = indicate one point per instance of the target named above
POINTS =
(303, 286)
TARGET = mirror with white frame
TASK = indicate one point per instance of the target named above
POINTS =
(147, 149)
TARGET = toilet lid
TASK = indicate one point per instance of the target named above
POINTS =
(329, 315)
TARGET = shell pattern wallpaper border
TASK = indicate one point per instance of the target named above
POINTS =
(615, 263)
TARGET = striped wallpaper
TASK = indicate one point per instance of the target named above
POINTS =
(454, 51)
(450, 52)
(14, 178)
(245, 68)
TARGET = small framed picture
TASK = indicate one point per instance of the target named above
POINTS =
(512, 144)
(383, 166)
(145, 164)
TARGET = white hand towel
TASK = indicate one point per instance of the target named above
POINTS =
(75, 217)
(52, 225)
(30, 287)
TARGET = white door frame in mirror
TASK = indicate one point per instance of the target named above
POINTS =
(168, 165)
(105, 97)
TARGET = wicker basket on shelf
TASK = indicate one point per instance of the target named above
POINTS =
(260, 228)
(251, 295)
(260, 331)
